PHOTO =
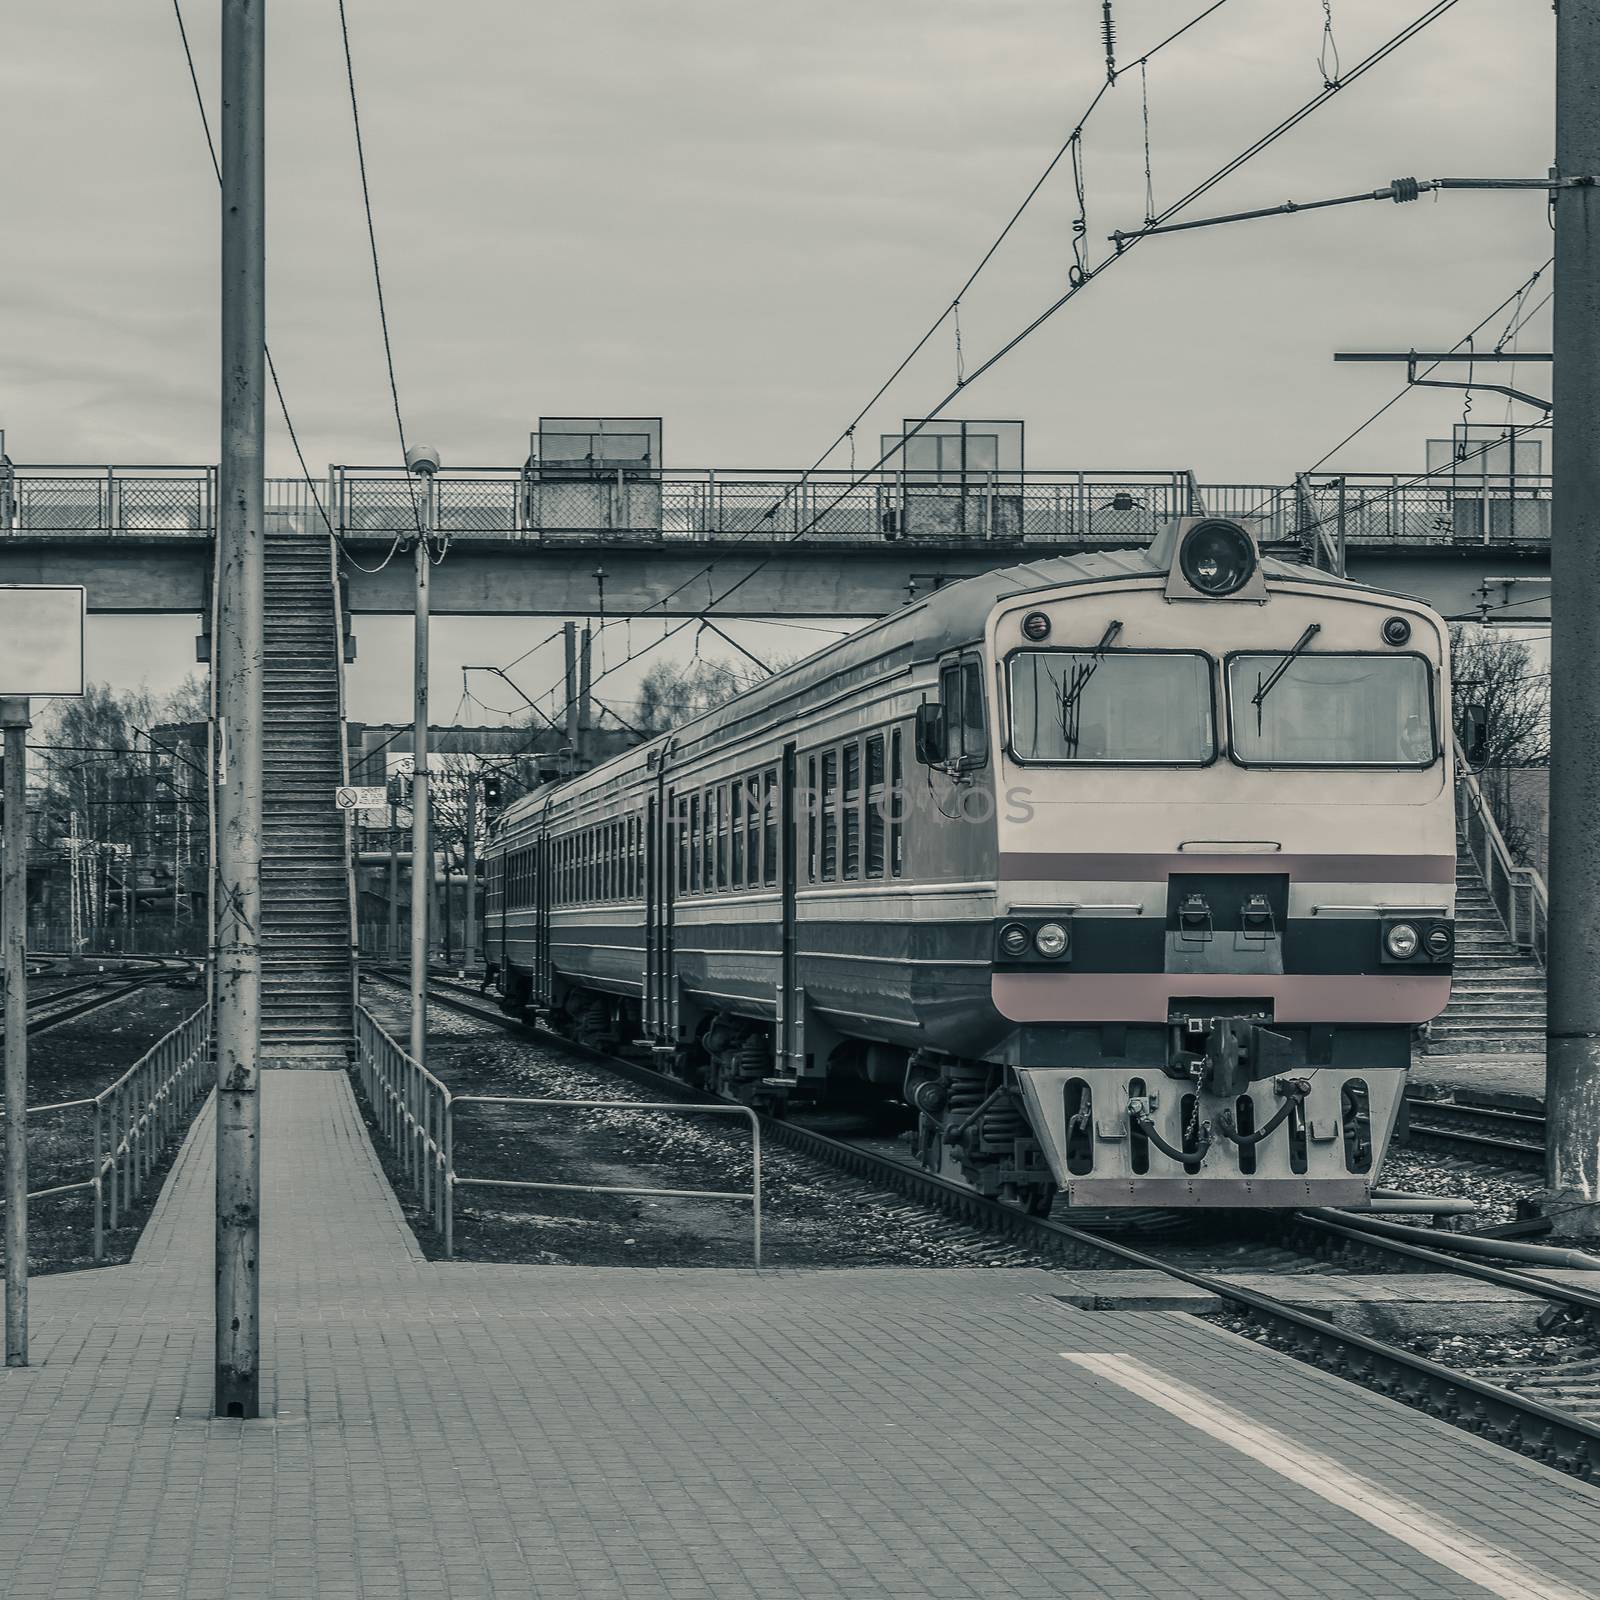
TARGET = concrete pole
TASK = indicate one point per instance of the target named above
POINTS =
(469, 933)
(393, 943)
(569, 634)
(14, 940)
(421, 852)
(1572, 1071)
(240, 648)
(585, 699)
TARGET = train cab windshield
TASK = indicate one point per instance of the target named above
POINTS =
(1126, 707)
(1330, 710)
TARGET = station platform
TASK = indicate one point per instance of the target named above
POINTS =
(456, 1430)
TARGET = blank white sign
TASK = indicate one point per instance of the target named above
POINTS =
(41, 640)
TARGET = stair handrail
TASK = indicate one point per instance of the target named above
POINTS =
(350, 820)
(1526, 914)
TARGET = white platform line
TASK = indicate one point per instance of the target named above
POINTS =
(1491, 1568)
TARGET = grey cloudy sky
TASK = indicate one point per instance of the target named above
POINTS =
(739, 216)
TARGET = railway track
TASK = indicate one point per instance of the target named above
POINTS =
(1502, 1135)
(67, 1004)
(1551, 1414)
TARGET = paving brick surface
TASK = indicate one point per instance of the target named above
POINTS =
(442, 1429)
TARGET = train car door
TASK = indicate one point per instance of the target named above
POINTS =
(790, 1040)
(656, 851)
(541, 926)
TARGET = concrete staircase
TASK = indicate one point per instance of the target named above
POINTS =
(1497, 995)
(306, 1016)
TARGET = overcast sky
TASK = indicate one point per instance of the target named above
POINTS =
(739, 216)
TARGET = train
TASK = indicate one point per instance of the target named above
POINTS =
(1126, 879)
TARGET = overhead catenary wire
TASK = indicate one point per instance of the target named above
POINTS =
(272, 366)
(1407, 387)
(951, 309)
(377, 269)
(1280, 129)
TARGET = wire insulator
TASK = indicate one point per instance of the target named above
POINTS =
(1402, 190)
(1108, 29)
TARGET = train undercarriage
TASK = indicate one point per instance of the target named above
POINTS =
(1235, 1117)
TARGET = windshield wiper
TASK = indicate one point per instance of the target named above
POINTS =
(1081, 675)
(1282, 667)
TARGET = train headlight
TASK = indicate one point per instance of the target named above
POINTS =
(1439, 941)
(1051, 940)
(1014, 940)
(1217, 557)
(1401, 941)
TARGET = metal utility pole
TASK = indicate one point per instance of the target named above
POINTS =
(239, 630)
(14, 941)
(1572, 1069)
(585, 700)
(394, 882)
(424, 463)
(469, 932)
(569, 636)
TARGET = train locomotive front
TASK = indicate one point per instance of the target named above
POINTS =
(1126, 878)
(1225, 866)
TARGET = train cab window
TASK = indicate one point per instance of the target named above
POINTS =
(752, 830)
(1327, 710)
(876, 803)
(722, 836)
(736, 833)
(770, 825)
(830, 814)
(694, 844)
(1117, 707)
(896, 807)
(852, 811)
(961, 695)
(813, 859)
(708, 841)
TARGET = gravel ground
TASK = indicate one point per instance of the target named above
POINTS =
(72, 1062)
(811, 1216)
(1495, 1190)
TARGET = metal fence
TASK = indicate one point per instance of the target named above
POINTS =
(1518, 892)
(1374, 509)
(134, 1119)
(416, 1113)
(710, 505)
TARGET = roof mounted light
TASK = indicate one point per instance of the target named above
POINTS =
(1209, 558)
(1217, 557)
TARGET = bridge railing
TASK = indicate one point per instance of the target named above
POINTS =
(1518, 892)
(1377, 509)
(64, 500)
(1373, 510)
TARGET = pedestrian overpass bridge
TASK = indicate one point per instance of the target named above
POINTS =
(760, 544)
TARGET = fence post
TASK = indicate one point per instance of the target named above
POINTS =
(99, 1196)
(449, 1181)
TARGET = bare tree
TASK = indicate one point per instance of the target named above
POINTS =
(1495, 670)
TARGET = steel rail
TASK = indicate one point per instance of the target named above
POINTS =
(1558, 1439)
(1477, 1130)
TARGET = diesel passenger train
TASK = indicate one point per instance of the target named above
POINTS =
(1130, 874)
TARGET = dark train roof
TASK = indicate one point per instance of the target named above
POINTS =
(948, 618)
